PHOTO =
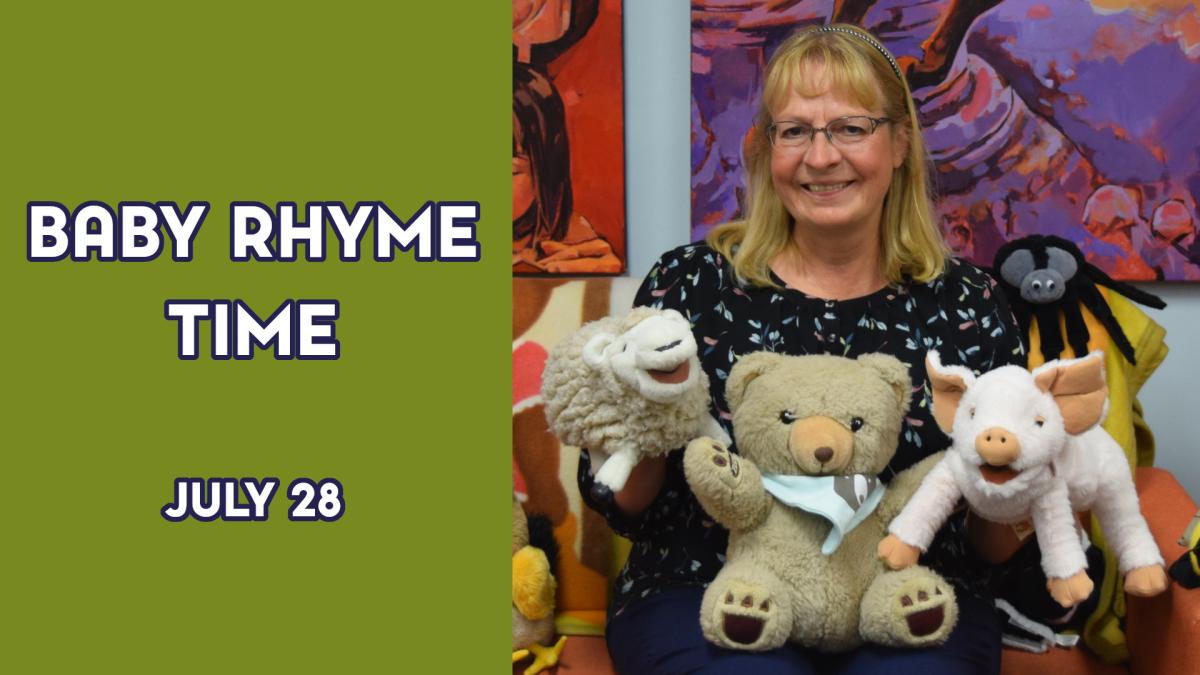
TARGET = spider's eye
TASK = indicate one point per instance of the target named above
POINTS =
(1040, 421)
(971, 413)
(856, 423)
(787, 417)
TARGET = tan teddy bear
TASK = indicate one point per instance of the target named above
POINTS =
(813, 433)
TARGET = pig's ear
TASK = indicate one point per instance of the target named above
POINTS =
(947, 384)
(1079, 389)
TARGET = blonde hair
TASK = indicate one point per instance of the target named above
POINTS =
(911, 245)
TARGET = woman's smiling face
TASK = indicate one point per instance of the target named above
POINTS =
(822, 185)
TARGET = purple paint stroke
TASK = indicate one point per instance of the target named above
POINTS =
(1046, 102)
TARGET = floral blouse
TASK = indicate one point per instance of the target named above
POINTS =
(962, 314)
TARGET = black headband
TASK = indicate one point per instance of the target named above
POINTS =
(865, 38)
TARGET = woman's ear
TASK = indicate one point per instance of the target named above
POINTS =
(900, 141)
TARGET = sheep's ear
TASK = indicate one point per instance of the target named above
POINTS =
(746, 370)
(593, 351)
(947, 385)
(893, 371)
(1079, 389)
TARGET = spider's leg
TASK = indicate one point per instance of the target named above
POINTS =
(1047, 321)
(1077, 330)
(1091, 298)
(1128, 290)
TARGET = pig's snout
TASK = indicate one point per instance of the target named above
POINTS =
(998, 446)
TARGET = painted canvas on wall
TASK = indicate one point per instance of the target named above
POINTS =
(1069, 117)
(568, 138)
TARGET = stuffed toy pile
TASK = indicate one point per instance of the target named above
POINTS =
(629, 386)
(533, 589)
(806, 510)
(1029, 446)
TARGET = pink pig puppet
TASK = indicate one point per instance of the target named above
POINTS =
(1029, 446)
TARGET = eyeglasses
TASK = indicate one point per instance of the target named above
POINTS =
(842, 132)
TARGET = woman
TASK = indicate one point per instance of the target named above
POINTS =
(548, 235)
(838, 253)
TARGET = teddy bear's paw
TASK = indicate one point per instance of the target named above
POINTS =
(912, 607)
(747, 616)
(707, 460)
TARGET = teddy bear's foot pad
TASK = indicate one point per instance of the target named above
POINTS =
(747, 618)
(743, 629)
(923, 605)
(910, 608)
(926, 621)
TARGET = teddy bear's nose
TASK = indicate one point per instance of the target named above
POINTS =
(823, 454)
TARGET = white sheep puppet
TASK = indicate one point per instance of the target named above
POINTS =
(630, 386)
(1029, 446)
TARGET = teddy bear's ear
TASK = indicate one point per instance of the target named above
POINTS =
(894, 372)
(947, 385)
(745, 371)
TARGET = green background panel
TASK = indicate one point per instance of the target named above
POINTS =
(401, 102)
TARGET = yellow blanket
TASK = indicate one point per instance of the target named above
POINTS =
(1125, 423)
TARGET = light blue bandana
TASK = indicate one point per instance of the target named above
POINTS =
(845, 501)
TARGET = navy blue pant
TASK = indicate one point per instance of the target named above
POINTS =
(661, 634)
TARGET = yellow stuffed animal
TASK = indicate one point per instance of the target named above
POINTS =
(533, 588)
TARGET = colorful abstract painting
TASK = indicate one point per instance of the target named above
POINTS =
(568, 138)
(1068, 117)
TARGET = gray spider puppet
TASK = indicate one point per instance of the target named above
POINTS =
(1044, 275)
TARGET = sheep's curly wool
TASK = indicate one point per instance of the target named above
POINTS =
(592, 408)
